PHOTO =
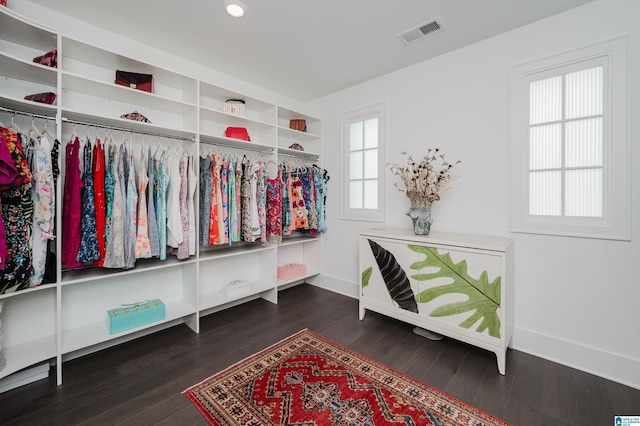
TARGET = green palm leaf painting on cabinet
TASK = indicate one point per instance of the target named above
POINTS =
(483, 297)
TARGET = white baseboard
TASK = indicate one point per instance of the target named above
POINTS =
(596, 361)
(24, 377)
(336, 285)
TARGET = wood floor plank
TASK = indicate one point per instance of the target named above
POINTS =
(141, 382)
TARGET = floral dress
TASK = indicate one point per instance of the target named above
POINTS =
(16, 203)
(216, 202)
(44, 209)
(245, 200)
(183, 246)
(206, 189)
(143, 245)
(274, 210)
(88, 251)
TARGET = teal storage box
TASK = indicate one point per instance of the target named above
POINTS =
(135, 315)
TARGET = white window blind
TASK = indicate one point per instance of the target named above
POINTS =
(566, 117)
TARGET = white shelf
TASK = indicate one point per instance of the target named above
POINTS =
(91, 274)
(232, 120)
(19, 104)
(26, 291)
(14, 67)
(297, 153)
(20, 30)
(27, 354)
(311, 272)
(111, 91)
(218, 252)
(91, 62)
(296, 135)
(219, 297)
(117, 122)
(93, 334)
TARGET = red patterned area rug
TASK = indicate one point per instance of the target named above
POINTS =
(307, 379)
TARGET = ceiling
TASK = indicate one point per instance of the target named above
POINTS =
(305, 49)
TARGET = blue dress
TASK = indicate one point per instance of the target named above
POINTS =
(89, 250)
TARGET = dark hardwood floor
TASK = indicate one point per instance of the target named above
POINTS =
(141, 382)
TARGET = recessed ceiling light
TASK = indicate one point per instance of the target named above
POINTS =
(235, 8)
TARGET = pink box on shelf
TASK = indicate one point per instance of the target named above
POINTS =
(291, 270)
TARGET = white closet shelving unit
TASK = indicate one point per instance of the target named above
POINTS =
(70, 315)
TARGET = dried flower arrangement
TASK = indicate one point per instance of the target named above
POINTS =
(425, 179)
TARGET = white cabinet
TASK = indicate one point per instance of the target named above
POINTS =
(454, 284)
(68, 318)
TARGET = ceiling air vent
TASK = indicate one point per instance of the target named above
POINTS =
(422, 30)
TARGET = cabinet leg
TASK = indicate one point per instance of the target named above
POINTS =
(361, 313)
(502, 361)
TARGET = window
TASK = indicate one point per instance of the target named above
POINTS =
(363, 140)
(569, 144)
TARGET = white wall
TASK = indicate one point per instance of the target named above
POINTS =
(576, 300)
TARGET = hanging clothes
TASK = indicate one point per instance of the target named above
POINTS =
(72, 207)
(224, 185)
(154, 241)
(234, 236)
(17, 217)
(245, 200)
(161, 189)
(274, 209)
(142, 245)
(88, 251)
(183, 247)
(114, 257)
(174, 222)
(192, 184)
(44, 209)
(206, 190)
(50, 272)
(216, 201)
(255, 215)
(97, 168)
(262, 202)
(131, 215)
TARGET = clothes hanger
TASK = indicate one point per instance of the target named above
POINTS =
(45, 131)
(33, 128)
(13, 125)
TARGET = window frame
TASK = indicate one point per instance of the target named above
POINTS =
(615, 223)
(362, 114)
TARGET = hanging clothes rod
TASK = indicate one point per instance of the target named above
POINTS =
(122, 129)
(27, 114)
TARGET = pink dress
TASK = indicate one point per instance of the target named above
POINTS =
(72, 207)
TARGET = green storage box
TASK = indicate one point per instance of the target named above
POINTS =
(135, 315)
